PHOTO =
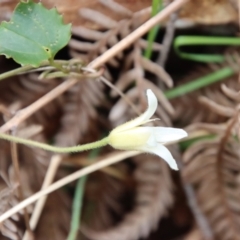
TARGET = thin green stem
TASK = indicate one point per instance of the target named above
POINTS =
(77, 208)
(156, 7)
(58, 66)
(78, 148)
(78, 202)
(15, 72)
(203, 40)
(28, 68)
(200, 82)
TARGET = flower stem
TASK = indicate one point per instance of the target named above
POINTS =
(78, 148)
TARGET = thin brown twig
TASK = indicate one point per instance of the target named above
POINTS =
(167, 40)
(124, 97)
(70, 178)
(15, 162)
(49, 177)
(201, 219)
(101, 60)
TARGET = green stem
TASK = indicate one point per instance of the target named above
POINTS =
(15, 72)
(25, 69)
(78, 201)
(200, 82)
(156, 7)
(78, 148)
(203, 40)
(77, 207)
(58, 66)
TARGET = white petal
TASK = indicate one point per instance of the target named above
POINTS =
(163, 153)
(166, 134)
(152, 107)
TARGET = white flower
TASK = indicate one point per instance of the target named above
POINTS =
(131, 136)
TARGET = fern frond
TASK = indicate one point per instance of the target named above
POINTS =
(212, 167)
(192, 107)
(152, 201)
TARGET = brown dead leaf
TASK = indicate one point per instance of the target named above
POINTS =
(209, 12)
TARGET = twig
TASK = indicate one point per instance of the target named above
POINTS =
(167, 40)
(101, 60)
(70, 178)
(124, 97)
(15, 162)
(51, 172)
(200, 218)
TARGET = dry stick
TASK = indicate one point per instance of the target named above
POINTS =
(49, 177)
(15, 162)
(201, 220)
(127, 100)
(70, 178)
(101, 60)
(199, 216)
(167, 40)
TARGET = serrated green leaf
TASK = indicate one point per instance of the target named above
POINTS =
(34, 34)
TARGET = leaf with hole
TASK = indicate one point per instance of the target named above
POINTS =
(34, 34)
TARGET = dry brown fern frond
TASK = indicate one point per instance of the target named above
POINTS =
(55, 218)
(152, 201)
(91, 43)
(104, 194)
(20, 92)
(33, 163)
(25, 89)
(88, 43)
(95, 42)
(10, 228)
(80, 116)
(192, 108)
(133, 72)
(212, 167)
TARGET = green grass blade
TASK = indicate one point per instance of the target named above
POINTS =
(78, 201)
(203, 40)
(77, 208)
(156, 7)
(200, 82)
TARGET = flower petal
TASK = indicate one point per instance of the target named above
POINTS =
(152, 107)
(163, 153)
(167, 134)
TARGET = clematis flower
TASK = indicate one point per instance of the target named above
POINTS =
(132, 136)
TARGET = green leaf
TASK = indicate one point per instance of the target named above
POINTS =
(34, 34)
